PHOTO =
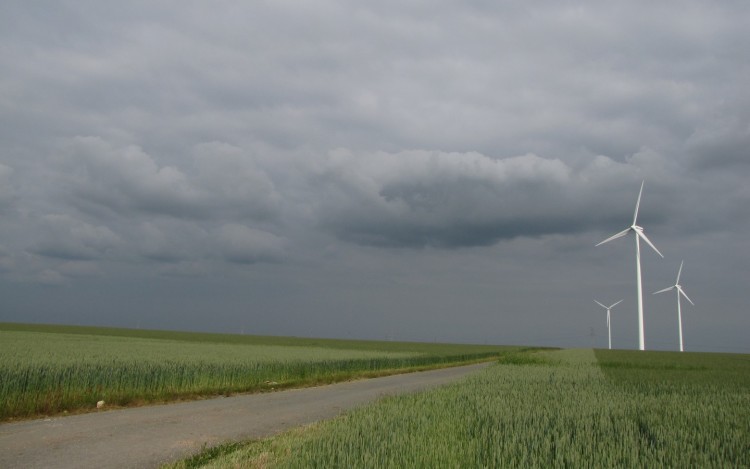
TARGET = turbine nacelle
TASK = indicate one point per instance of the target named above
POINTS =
(638, 232)
(677, 286)
(609, 325)
(609, 307)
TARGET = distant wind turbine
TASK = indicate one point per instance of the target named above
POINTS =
(609, 327)
(638, 232)
(680, 291)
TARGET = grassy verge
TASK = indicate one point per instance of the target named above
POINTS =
(569, 408)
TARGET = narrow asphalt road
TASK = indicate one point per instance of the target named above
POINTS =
(146, 437)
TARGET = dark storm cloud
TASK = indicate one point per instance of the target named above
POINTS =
(419, 198)
(441, 199)
(286, 147)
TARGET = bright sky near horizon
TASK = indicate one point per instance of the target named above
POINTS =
(385, 170)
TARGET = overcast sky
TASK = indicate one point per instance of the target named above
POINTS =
(383, 170)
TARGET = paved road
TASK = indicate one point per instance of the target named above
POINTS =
(148, 436)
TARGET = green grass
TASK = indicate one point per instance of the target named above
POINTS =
(676, 368)
(201, 337)
(572, 408)
(52, 369)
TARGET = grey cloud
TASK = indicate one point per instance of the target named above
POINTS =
(67, 238)
(422, 198)
(179, 242)
(6, 259)
(721, 144)
(206, 149)
(504, 80)
(244, 245)
(168, 240)
(50, 277)
(129, 206)
(23, 267)
(234, 182)
(120, 179)
(7, 189)
(102, 178)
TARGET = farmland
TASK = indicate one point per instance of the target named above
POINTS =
(571, 408)
(55, 369)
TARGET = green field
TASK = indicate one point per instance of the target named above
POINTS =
(572, 408)
(53, 369)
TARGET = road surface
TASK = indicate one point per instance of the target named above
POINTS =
(146, 437)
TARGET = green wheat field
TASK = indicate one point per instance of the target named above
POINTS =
(532, 408)
(47, 370)
(569, 408)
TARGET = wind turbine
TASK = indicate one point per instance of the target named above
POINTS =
(638, 232)
(679, 289)
(609, 327)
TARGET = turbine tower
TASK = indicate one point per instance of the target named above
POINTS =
(680, 291)
(609, 327)
(638, 234)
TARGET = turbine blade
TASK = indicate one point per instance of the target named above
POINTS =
(618, 235)
(665, 289)
(638, 203)
(616, 304)
(678, 273)
(679, 289)
(600, 304)
(640, 233)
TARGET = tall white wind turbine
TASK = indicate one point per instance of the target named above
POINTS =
(680, 291)
(638, 232)
(609, 327)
